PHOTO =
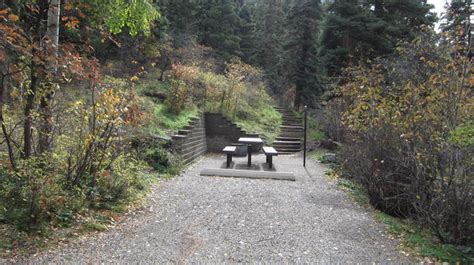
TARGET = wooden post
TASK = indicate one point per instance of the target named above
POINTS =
(305, 133)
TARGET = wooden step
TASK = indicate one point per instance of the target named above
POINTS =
(287, 138)
(291, 124)
(287, 142)
(287, 151)
(291, 127)
(292, 134)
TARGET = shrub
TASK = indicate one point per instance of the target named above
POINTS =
(90, 164)
(120, 182)
(239, 94)
(410, 137)
(33, 195)
(158, 158)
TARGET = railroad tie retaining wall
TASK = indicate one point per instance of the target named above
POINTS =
(209, 132)
(221, 132)
(190, 142)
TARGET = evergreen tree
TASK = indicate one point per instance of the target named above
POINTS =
(458, 20)
(403, 17)
(358, 30)
(270, 33)
(220, 26)
(180, 14)
(351, 33)
(301, 49)
(247, 33)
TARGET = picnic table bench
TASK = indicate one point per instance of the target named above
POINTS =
(270, 152)
(230, 151)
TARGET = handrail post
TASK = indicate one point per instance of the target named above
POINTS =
(305, 133)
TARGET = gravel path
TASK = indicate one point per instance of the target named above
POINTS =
(194, 219)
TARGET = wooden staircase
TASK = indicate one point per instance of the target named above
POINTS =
(291, 133)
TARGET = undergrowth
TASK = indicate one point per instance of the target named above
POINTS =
(315, 132)
(165, 122)
(415, 240)
(15, 242)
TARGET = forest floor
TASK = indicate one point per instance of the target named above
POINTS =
(194, 219)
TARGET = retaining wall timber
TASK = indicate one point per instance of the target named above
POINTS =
(190, 142)
(209, 132)
(221, 132)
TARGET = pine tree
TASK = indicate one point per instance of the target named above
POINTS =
(357, 30)
(458, 21)
(351, 33)
(301, 50)
(219, 27)
(403, 17)
(247, 33)
(270, 20)
(181, 15)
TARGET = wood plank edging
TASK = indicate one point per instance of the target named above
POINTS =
(251, 174)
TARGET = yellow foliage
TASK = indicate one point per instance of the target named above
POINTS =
(13, 17)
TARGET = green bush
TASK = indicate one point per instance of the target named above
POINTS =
(409, 140)
(121, 182)
(34, 194)
(162, 160)
(157, 158)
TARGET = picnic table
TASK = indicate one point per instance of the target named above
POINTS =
(249, 141)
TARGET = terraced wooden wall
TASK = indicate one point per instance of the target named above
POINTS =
(209, 132)
(190, 142)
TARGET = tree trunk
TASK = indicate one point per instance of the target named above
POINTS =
(52, 32)
(28, 125)
(51, 45)
(4, 128)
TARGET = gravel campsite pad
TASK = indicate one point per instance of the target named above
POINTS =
(194, 219)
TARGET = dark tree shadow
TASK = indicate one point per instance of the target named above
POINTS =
(243, 166)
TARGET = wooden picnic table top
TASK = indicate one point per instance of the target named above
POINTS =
(250, 140)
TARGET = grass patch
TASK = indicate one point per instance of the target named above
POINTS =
(317, 155)
(354, 189)
(421, 242)
(149, 84)
(164, 122)
(264, 121)
(95, 226)
(415, 240)
(99, 221)
(315, 131)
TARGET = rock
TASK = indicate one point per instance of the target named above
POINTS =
(329, 158)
